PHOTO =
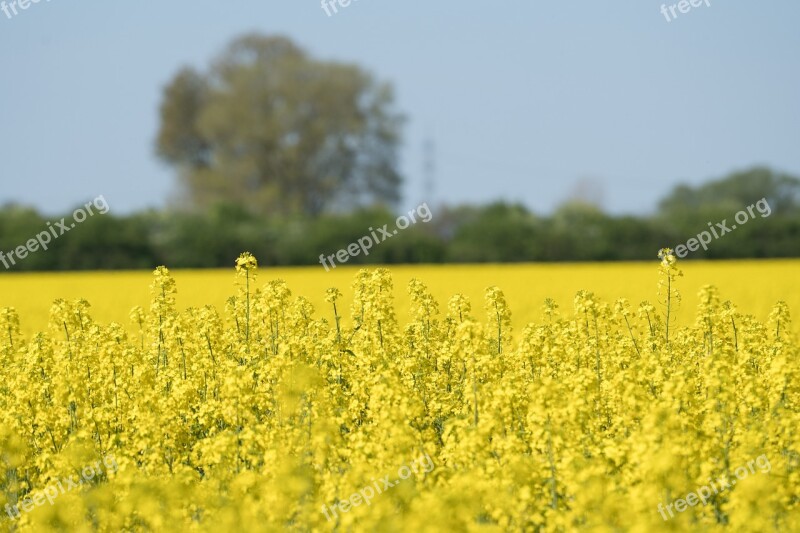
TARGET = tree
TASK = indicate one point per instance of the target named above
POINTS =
(274, 130)
(732, 193)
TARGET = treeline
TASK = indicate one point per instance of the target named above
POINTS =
(499, 232)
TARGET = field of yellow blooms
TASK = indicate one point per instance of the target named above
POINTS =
(271, 412)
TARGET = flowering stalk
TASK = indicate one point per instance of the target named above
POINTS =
(244, 264)
(670, 273)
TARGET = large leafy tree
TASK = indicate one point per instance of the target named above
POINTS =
(276, 131)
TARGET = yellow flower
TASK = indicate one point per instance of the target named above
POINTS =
(246, 262)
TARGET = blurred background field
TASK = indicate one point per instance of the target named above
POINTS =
(754, 286)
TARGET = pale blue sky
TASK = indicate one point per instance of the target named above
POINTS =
(523, 98)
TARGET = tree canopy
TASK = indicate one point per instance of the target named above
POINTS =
(272, 129)
(730, 193)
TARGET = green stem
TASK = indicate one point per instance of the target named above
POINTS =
(247, 311)
(632, 338)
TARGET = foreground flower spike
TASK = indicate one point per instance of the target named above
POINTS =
(666, 290)
(246, 266)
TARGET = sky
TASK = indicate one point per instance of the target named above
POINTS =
(522, 99)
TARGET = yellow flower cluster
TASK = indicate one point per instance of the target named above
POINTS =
(262, 416)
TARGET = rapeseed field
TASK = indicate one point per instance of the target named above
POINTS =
(667, 399)
(756, 285)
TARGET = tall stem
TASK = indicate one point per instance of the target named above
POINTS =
(669, 301)
(247, 311)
